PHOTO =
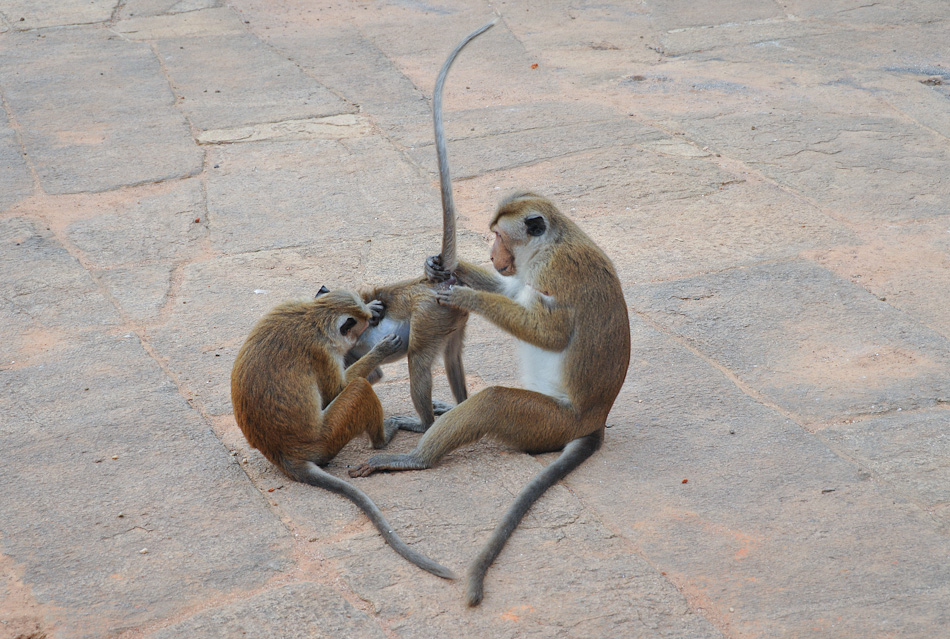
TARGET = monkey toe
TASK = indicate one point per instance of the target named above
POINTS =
(363, 470)
(441, 408)
(405, 422)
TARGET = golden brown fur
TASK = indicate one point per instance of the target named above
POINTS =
(295, 403)
(561, 297)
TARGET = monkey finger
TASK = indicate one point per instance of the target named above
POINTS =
(376, 308)
(434, 270)
(390, 343)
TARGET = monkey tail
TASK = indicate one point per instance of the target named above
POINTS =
(573, 455)
(309, 473)
(449, 256)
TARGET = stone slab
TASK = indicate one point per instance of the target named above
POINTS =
(754, 519)
(497, 138)
(190, 24)
(234, 80)
(95, 113)
(16, 182)
(155, 226)
(339, 56)
(534, 589)
(908, 265)
(37, 14)
(304, 609)
(812, 343)
(300, 193)
(45, 292)
(141, 8)
(77, 531)
(909, 452)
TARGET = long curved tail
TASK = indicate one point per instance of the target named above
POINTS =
(309, 473)
(573, 456)
(449, 255)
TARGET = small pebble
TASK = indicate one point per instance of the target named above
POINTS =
(144, 551)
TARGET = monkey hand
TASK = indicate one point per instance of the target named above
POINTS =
(434, 270)
(388, 345)
(454, 296)
(387, 461)
(377, 309)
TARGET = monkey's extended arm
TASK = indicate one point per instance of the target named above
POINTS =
(544, 323)
(469, 274)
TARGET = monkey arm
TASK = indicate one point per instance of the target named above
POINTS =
(544, 325)
(478, 278)
(366, 365)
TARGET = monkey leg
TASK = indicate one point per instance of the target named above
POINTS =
(529, 421)
(354, 410)
(454, 371)
(423, 349)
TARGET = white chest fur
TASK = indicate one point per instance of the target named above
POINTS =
(541, 371)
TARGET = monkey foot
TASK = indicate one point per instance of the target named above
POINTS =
(405, 422)
(394, 463)
(441, 408)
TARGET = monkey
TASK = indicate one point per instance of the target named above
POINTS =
(559, 295)
(409, 309)
(296, 404)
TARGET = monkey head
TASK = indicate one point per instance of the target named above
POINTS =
(524, 224)
(341, 315)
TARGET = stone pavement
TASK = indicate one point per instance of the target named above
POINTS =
(769, 176)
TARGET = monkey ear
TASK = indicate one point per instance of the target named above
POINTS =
(535, 225)
(323, 291)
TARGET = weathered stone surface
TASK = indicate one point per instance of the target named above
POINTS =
(163, 226)
(517, 136)
(908, 265)
(342, 59)
(297, 610)
(233, 80)
(95, 112)
(16, 182)
(46, 290)
(92, 409)
(36, 14)
(814, 344)
(284, 194)
(191, 24)
(334, 127)
(909, 452)
(139, 8)
(785, 159)
(557, 547)
(746, 512)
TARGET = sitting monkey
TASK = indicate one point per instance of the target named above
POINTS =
(295, 402)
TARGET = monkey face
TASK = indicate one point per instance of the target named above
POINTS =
(512, 236)
(345, 316)
(501, 257)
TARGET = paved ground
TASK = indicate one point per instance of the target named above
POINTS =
(769, 176)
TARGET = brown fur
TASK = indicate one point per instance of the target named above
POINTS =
(562, 295)
(295, 403)
(410, 308)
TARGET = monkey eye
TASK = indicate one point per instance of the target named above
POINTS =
(535, 225)
(347, 325)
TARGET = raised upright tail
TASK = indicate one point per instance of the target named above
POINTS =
(573, 456)
(309, 473)
(449, 254)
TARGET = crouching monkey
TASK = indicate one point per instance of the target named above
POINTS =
(559, 294)
(295, 403)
